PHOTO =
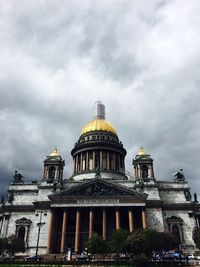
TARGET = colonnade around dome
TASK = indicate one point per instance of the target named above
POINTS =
(103, 160)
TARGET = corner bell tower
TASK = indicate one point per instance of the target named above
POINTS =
(143, 166)
(53, 167)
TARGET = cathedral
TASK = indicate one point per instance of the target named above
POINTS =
(58, 213)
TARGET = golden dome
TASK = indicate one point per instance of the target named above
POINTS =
(142, 152)
(55, 153)
(98, 125)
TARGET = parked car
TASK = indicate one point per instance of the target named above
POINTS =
(64, 258)
(174, 256)
(193, 257)
(83, 257)
(190, 256)
(122, 257)
(169, 257)
(73, 257)
(157, 257)
(7, 259)
(33, 258)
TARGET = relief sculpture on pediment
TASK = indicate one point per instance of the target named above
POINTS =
(98, 190)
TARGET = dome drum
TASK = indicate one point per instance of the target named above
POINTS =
(106, 154)
(102, 159)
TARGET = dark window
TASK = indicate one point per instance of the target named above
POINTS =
(97, 159)
(21, 233)
(104, 160)
(52, 171)
(144, 171)
(176, 232)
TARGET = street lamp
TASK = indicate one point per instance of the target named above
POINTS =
(39, 225)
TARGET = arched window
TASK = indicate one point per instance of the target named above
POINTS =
(175, 227)
(144, 171)
(22, 229)
(21, 232)
(52, 171)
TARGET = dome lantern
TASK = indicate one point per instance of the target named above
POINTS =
(99, 110)
(98, 123)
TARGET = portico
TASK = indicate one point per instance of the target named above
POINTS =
(75, 217)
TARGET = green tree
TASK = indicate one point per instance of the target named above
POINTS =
(96, 245)
(150, 240)
(133, 243)
(15, 245)
(153, 240)
(169, 241)
(3, 245)
(11, 245)
(140, 261)
(117, 243)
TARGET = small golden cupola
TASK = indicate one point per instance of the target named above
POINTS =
(55, 153)
(143, 165)
(53, 167)
(98, 149)
(142, 152)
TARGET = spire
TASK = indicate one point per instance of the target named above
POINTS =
(98, 110)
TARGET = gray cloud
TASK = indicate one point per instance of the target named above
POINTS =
(140, 58)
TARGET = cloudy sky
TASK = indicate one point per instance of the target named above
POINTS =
(140, 58)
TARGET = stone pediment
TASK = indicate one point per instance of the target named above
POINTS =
(23, 221)
(98, 188)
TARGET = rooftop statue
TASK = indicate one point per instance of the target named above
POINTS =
(18, 178)
(179, 175)
(98, 175)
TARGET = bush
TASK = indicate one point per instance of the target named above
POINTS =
(96, 245)
(15, 245)
(11, 245)
(117, 243)
(140, 261)
(133, 244)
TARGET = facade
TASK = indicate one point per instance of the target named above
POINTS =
(99, 197)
